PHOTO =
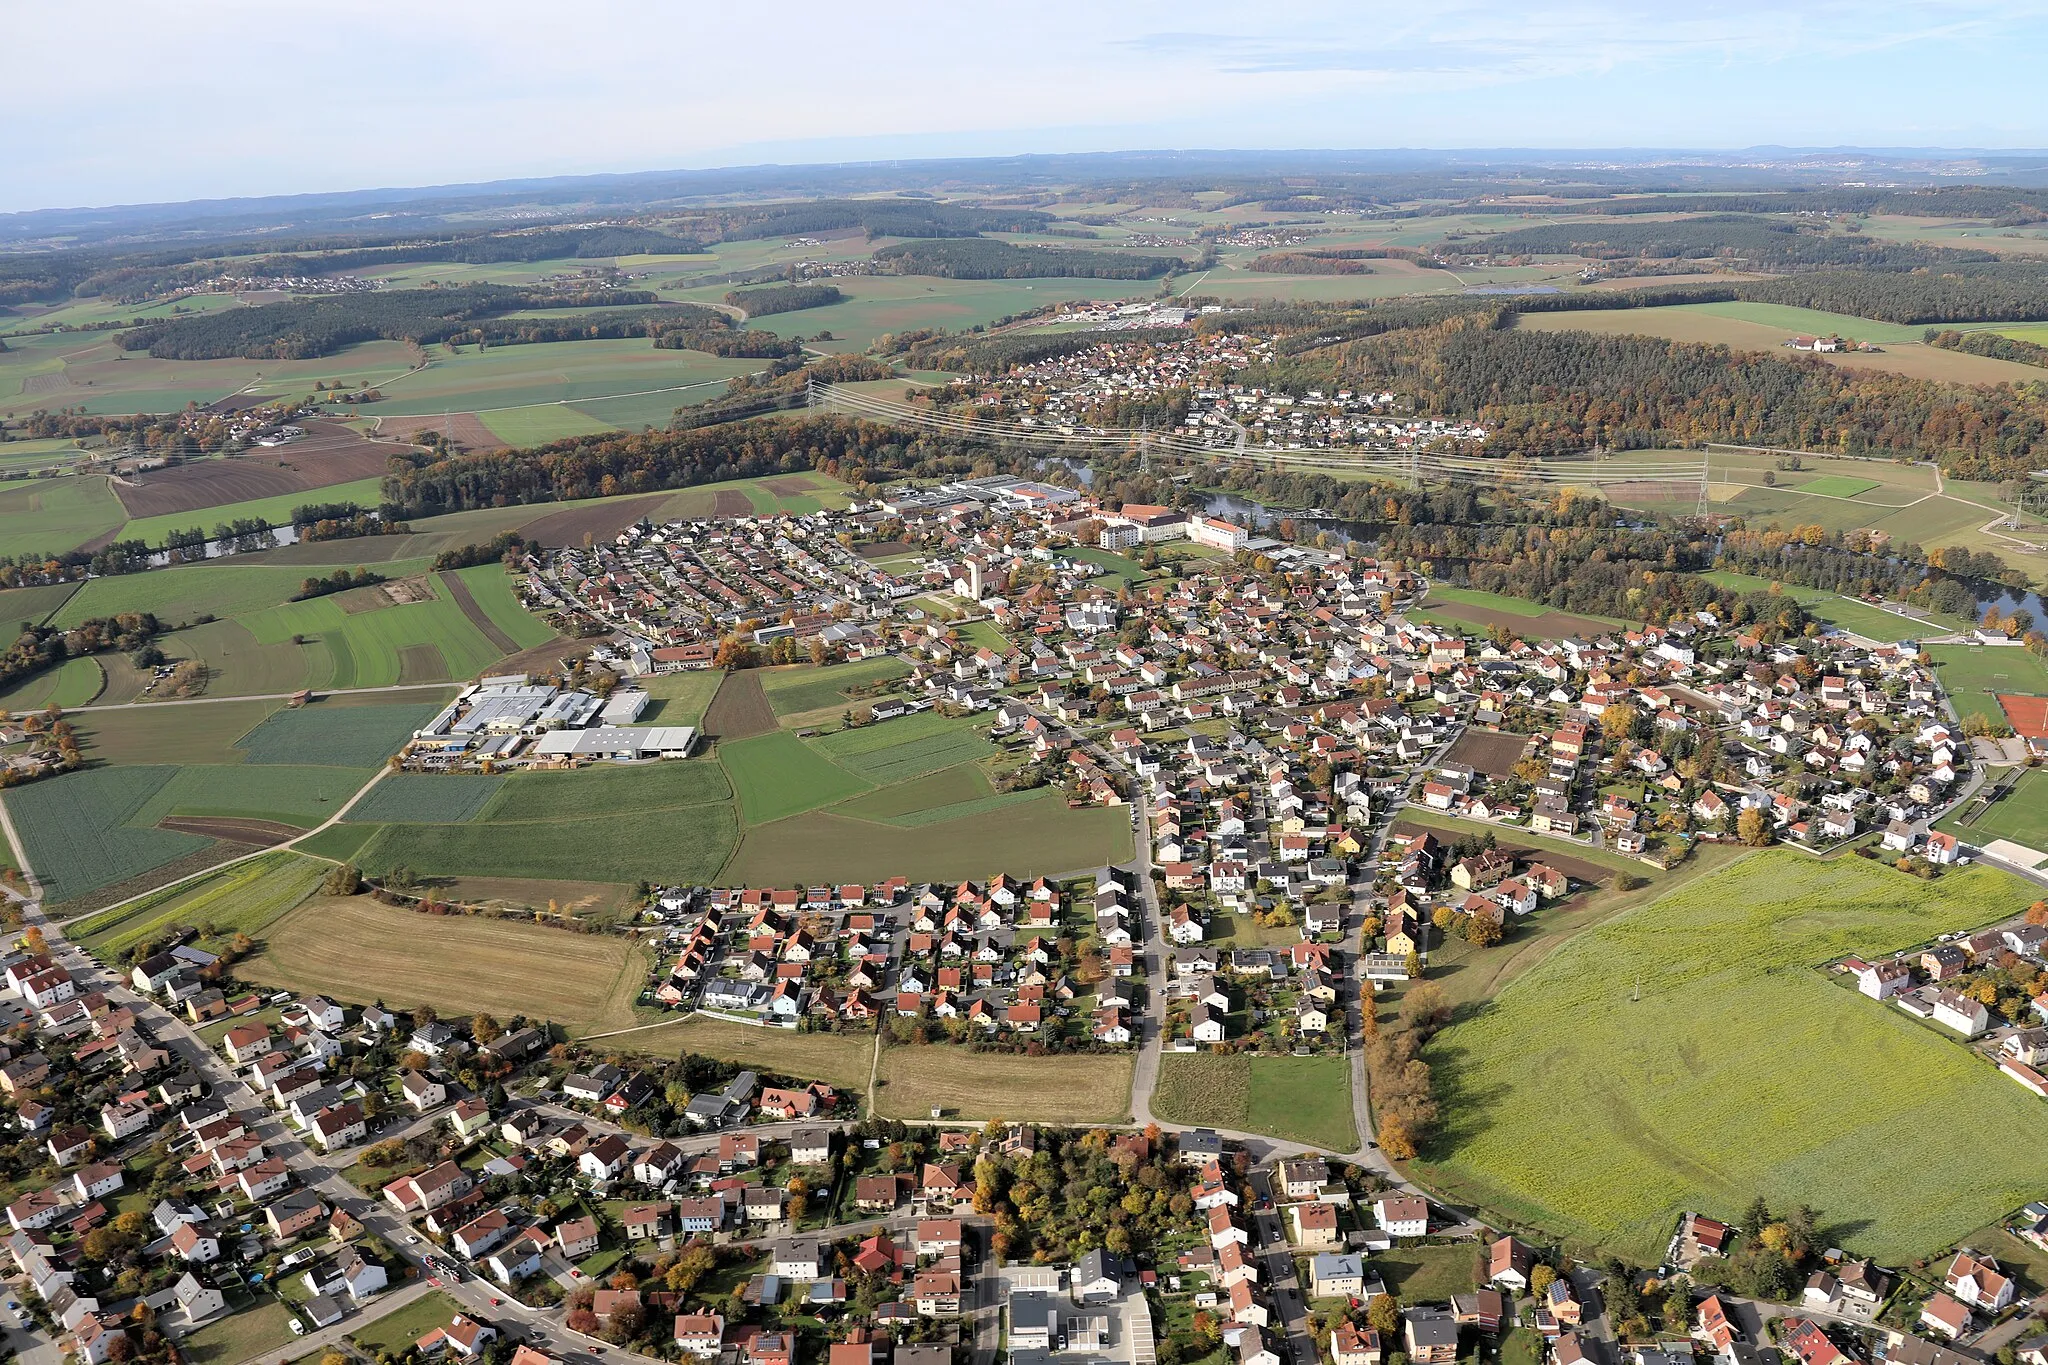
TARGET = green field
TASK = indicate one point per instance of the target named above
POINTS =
(604, 789)
(1305, 1099)
(76, 834)
(71, 683)
(679, 698)
(33, 605)
(216, 589)
(778, 775)
(541, 423)
(335, 736)
(428, 641)
(244, 899)
(1837, 486)
(426, 799)
(795, 691)
(492, 588)
(1574, 1107)
(203, 733)
(907, 747)
(1973, 675)
(522, 383)
(287, 793)
(51, 516)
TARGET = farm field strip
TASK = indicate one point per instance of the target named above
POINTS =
(244, 899)
(1304, 1099)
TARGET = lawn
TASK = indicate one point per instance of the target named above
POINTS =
(838, 1059)
(1429, 1274)
(339, 736)
(1306, 1099)
(259, 1330)
(1082, 1088)
(1574, 1107)
(246, 898)
(52, 516)
(1972, 675)
(1027, 838)
(1113, 565)
(794, 691)
(362, 951)
(394, 1333)
(75, 829)
(777, 775)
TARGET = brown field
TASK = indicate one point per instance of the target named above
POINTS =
(261, 833)
(1579, 869)
(600, 521)
(406, 591)
(1907, 358)
(47, 383)
(1634, 494)
(740, 708)
(582, 899)
(422, 664)
(361, 951)
(1088, 1088)
(793, 486)
(459, 592)
(730, 502)
(1492, 752)
(464, 429)
(329, 454)
(885, 549)
(838, 1059)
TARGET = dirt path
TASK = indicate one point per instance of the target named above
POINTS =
(459, 591)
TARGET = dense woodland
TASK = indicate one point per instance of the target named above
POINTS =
(301, 329)
(39, 647)
(783, 298)
(1756, 242)
(875, 217)
(982, 258)
(1338, 260)
(1990, 344)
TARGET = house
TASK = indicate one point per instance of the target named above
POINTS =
(1978, 1282)
(700, 1334)
(194, 1246)
(1962, 1013)
(577, 1237)
(430, 1189)
(1315, 1225)
(1508, 1263)
(1099, 1276)
(798, 1259)
(1944, 1315)
(646, 1222)
(1431, 1336)
(1404, 1215)
(463, 1336)
(422, 1092)
(1334, 1275)
(294, 1215)
(1355, 1345)
(1252, 1349)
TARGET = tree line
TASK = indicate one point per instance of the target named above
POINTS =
(1989, 344)
(983, 258)
(783, 298)
(38, 647)
(1337, 260)
(1758, 242)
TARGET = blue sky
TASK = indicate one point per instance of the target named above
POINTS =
(239, 97)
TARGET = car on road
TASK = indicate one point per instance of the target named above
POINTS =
(495, 1301)
(412, 1239)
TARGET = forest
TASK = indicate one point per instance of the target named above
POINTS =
(981, 258)
(783, 298)
(1336, 260)
(875, 217)
(38, 647)
(1760, 243)
(300, 329)
(1990, 344)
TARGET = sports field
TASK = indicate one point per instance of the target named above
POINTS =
(1084, 1088)
(361, 951)
(2021, 815)
(1305, 1099)
(1974, 675)
(1577, 1108)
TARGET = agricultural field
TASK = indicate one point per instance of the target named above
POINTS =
(292, 796)
(33, 604)
(1713, 324)
(277, 509)
(1973, 675)
(76, 834)
(426, 799)
(75, 682)
(431, 640)
(1033, 837)
(605, 788)
(908, 747)
(51, 516)
(1575, 1107)
(803, 689)
(244, 899)
(1471, 607)
(1303, 1099)
(335, 736)
(778, 775)
(679, 698)
(521, 383)
(964, 1084)
(358, 950)
(204, 732)
(69, 370)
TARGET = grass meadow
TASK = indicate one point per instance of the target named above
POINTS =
(1303, 1099)
(51, 516)
(1574, 1107)
(777, 775)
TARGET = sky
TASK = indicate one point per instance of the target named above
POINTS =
(136, 101)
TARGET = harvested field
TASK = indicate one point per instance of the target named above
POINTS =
(257, 833)
(886, 549)
(1489, 751)
(598, 520)
(584, 900)
(459, 592)
(1087, 1088)
(838, 1059)
(359, 950)
(403, 592)
(740, 708)
(465, 429)
(731, 503)
(1578, 869)
(329, 454)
